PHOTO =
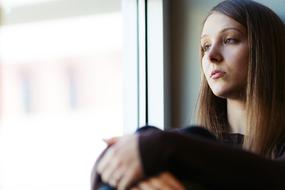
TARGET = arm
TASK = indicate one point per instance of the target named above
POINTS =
(114, 157)
(207, 162)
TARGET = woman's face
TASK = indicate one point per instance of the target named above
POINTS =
(225, 54)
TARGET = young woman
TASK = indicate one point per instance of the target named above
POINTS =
(242, 103)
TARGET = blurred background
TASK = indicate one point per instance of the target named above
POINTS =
(60, 90)
(73, 72)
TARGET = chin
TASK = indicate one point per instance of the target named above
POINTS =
(229, 95)
(222, 92)
(218, 91)
(220, 95)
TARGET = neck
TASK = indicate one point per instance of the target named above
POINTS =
(237, 116)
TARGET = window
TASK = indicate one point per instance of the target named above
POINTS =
(62, 89)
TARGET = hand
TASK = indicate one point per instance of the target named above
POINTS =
(111, 141)
(120, 166)
(164, 181)
(96, 182)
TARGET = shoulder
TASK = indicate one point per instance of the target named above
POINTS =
(147, 129)
(234, 139)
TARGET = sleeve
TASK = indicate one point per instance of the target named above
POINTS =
(148, 129)
(210, 163)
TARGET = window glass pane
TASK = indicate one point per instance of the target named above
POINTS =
(60, 90)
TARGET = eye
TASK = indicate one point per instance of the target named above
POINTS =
(230, 41)
(206, 47)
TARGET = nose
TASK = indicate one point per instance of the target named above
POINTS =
(215, 54)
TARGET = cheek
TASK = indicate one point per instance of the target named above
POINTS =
(243, 64)
(239, 68)
(204, 67)
(238, 61)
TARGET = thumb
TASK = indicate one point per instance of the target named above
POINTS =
(111, 141)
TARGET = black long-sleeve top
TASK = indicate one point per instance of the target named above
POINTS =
(207, 161)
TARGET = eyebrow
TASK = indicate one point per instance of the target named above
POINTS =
(224, 30)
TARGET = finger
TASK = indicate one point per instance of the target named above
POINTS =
(169, 179)
(105, 160)
(146, 186)
(158, 184)
(127, 179)
(107, 174)
(111, 141)
(124, 182)
(116, 176)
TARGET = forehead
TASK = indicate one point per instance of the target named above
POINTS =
(217, 22)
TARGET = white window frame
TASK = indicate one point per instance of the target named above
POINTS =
(144, 81)
(155, 63)
(130, 60)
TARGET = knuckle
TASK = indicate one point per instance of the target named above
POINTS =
(122, 186)
(105, 177)
(113, 183)
(116, 161)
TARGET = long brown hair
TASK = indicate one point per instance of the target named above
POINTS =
(265, 93)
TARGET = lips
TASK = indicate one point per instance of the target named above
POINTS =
(217, 74)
